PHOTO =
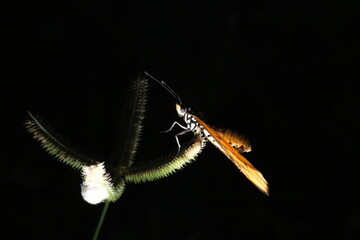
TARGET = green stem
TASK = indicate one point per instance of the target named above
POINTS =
(101, 220)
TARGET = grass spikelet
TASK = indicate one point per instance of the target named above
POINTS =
(54, 144)
(166, 166)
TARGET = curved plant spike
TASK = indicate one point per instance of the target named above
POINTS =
(54, 144)
(166, 166)
(124, 152)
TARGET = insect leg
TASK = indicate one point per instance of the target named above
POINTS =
(177, 139)
(172, 126)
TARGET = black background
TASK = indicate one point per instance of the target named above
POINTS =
(281, 72)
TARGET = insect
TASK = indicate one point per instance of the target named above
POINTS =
(228, 142)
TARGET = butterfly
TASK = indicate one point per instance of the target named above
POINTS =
(228, 142)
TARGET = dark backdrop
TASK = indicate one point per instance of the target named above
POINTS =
(281, 72)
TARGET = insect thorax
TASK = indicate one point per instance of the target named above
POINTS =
(191, 123)
(196, 128)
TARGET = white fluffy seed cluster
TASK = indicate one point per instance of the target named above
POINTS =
(96, 186)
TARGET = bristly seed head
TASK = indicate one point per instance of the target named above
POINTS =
(96, 186)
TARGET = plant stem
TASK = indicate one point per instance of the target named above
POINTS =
(101, 220)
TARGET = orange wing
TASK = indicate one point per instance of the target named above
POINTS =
(239, 160)
(238, 141)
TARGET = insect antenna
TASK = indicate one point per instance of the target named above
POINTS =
(167, 87)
